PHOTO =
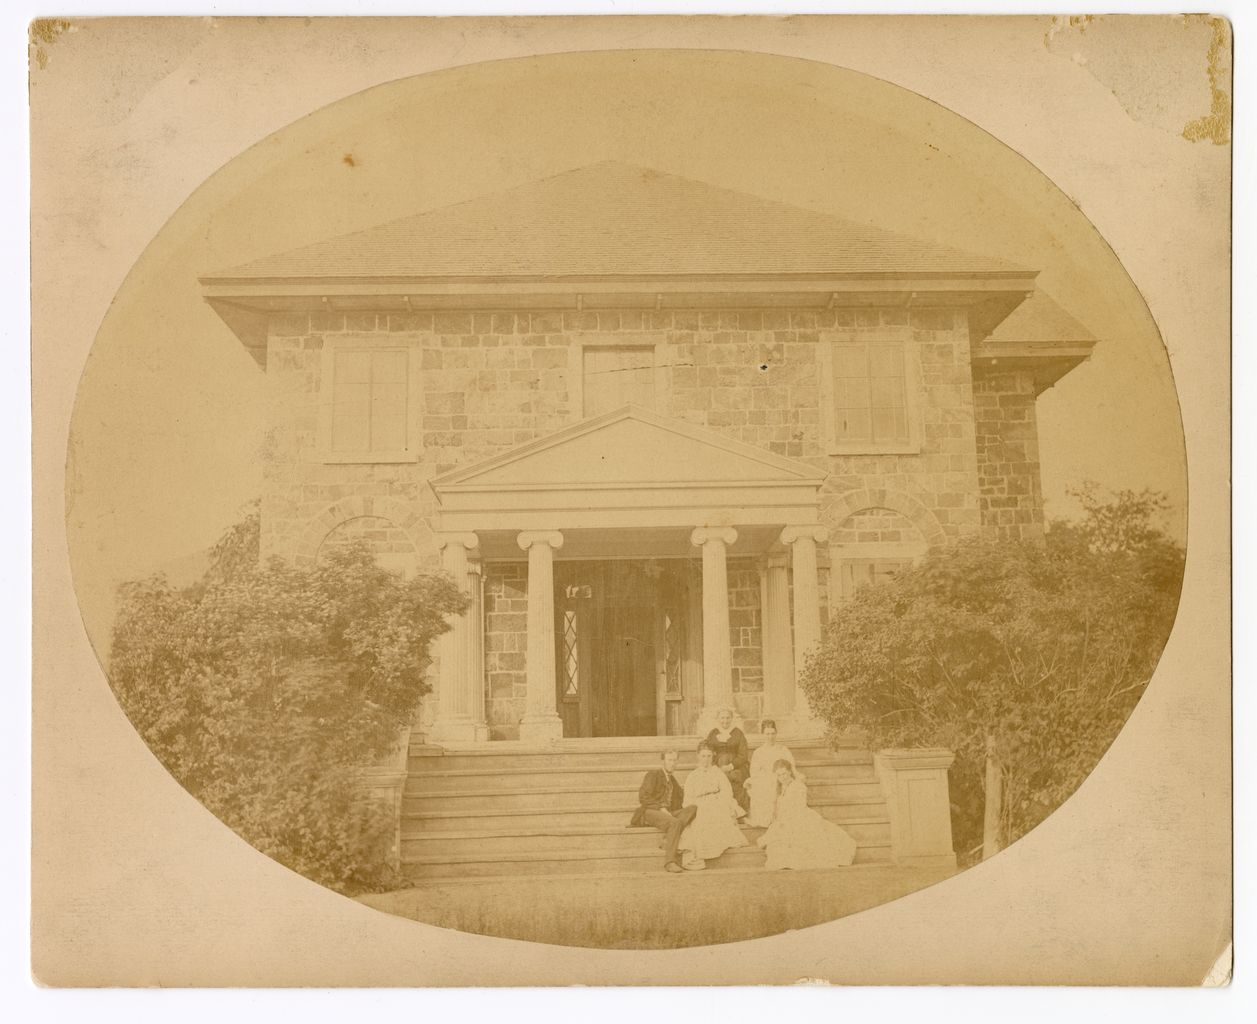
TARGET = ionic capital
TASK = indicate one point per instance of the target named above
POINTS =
(530, 537)
(813, 532)
(705, 534)
(468, 540)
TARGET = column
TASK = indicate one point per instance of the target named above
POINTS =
(475, 615)
(541, 721)
(802, 541)
(717, 667)
(778, 652)
(460, 679)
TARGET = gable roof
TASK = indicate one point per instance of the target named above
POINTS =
(630, 466)
(614, 220)
(626, 447)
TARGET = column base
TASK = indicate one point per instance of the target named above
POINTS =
(458, 730)
(540, 728)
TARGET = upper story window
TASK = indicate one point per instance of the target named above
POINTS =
(616, 375)
(368, 396)
(870, 389)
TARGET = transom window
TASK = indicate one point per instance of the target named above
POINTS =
(862, 572)
(618, 375)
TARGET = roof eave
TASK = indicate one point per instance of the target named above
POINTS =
(1046, 361)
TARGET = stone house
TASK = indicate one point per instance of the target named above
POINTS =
(656, 428)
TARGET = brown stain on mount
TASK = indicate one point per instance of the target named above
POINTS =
(1215, 126)
(42, 33)
(349, 160)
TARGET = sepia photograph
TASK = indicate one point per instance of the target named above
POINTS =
(637, 497)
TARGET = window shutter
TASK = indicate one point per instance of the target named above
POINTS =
(351, 400)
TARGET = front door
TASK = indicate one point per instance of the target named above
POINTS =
(607, 656)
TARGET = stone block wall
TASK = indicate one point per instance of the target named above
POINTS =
(746, 638)
(505, 646)
(1007, 437)
(493, 381)
(936, 487)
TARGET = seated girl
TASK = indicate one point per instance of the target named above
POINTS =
(715, 825)
(762, 785)
(799, 837)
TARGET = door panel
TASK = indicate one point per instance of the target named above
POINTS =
(607, 648)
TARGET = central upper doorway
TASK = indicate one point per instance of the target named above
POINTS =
(624, 657)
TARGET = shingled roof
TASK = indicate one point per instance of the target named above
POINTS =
(613, 220)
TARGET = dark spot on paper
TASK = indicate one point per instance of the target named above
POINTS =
(348, 160)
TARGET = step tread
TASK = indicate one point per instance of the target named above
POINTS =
(586, 830)
(450, 773)
(576, 854)
(556, 790)
(628, 808)
(603, 744)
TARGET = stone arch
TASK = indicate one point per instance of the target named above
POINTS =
(396, 514)
(848, 504)
(879, 527)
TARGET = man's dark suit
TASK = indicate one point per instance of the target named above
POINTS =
(659, 806)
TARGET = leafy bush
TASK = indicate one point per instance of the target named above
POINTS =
(1035, 653)
(265, 688)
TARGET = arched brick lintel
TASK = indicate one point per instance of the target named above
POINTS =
(922, 518)
(405, 517)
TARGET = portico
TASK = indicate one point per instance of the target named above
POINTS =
(628, 523)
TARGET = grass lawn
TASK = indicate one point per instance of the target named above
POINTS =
(652, 911)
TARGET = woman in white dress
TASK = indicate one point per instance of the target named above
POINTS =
(762, 785)
(715, 826)
(799, 837)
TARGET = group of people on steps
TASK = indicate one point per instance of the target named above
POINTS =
(701, 817)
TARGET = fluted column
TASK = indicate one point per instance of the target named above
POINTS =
(460, 715)
(541, 721)
(717, 666)
(475, 616)
(802, 541)
(778, 651)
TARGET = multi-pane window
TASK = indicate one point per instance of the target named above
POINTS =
(570, 662)
(862, 572)
(870, 393)
(618, 375)
(369, 400)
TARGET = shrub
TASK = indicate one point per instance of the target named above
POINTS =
(1032, 655)
(264, 688)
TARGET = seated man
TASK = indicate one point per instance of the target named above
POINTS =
(659, 806)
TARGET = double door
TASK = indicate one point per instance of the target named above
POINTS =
(621, 647)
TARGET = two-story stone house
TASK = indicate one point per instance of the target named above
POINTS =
(653, 426)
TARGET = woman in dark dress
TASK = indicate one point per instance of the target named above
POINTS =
(732, 754)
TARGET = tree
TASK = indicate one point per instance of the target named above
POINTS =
(1023, 659)
(264, 688)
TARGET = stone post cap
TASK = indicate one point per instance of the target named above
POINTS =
(815, 531)
(468, 540)
(726, 534)
(920, 757)
(530, 537)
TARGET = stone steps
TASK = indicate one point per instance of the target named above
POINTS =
(441, 819)
(505, 809)
(611, 840)
(582, 862)
(574, 795)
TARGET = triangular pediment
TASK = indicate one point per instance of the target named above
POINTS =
(630, 448)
